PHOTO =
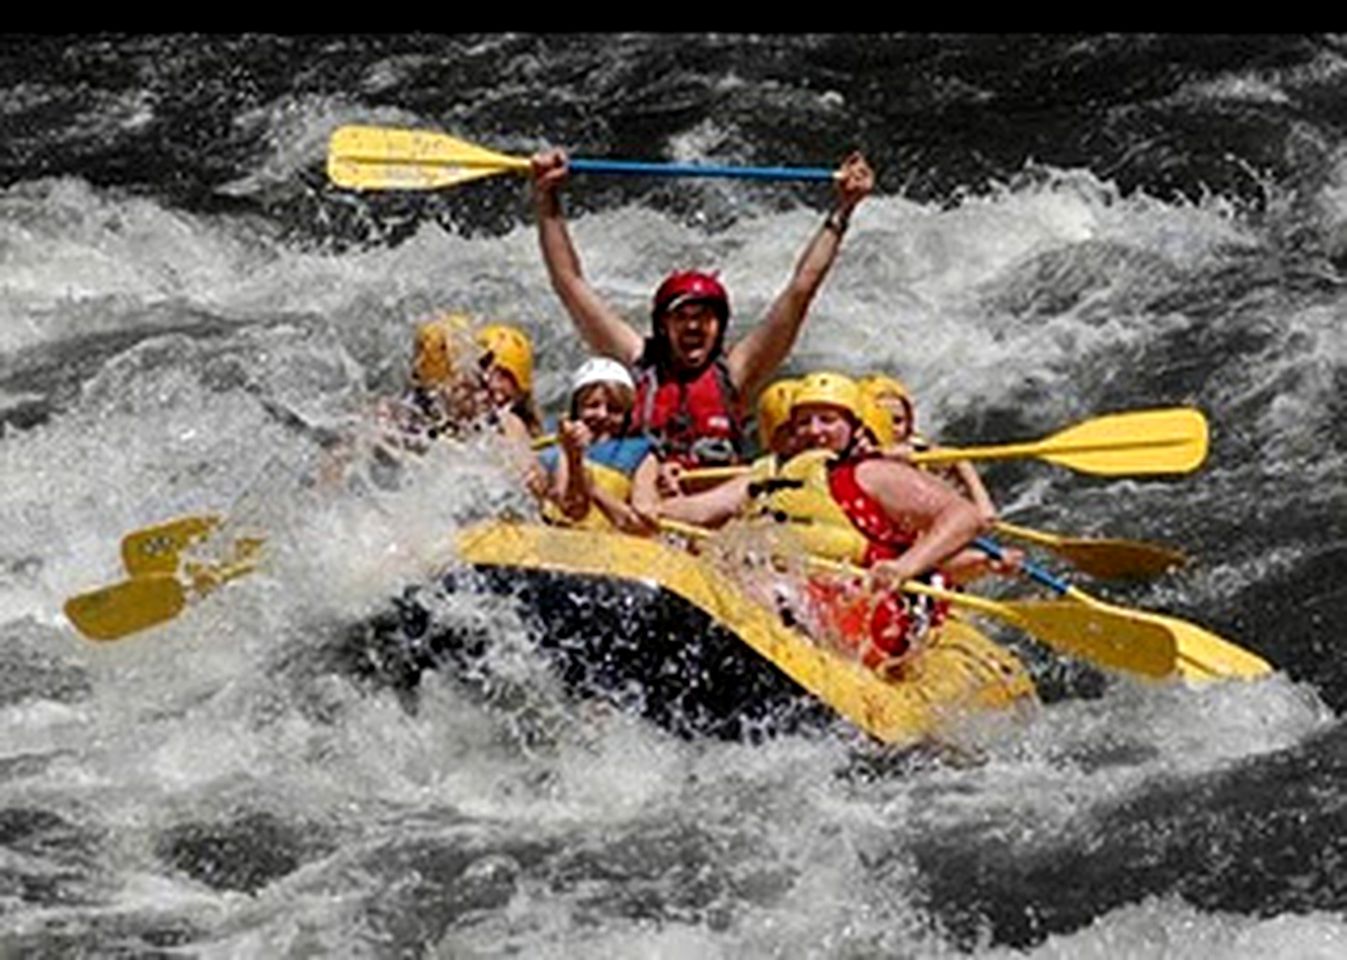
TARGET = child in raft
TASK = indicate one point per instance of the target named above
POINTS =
(599, 478)
(896, 401)
(836, 501)
(506, 362)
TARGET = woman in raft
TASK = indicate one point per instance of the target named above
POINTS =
(842, 502)
(600, 477)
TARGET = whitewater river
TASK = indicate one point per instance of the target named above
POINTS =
(1062, 227)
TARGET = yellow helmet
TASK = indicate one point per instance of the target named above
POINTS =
(833, 389)
(774, 409)
(880, 384)
(877, 386)
(511, 349)
(877, 420)
(438, 344)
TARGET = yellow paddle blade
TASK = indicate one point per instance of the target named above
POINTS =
(1143, 441)
(1202, 655)
(1169, 440)
(1205, 656)
(1119, 559)
(1105, 558)
(1108, 637)
(1104, 637)
(154, 594)
(156, 549)
(385, 158)
(110, 613)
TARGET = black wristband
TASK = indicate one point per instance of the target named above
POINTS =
(837, 222)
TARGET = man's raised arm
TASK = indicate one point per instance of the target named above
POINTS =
(756, 357)
(602, 328)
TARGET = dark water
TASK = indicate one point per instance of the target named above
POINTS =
(1063, 226)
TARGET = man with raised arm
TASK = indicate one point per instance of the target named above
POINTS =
(691, 389)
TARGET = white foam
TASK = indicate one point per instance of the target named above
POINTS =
(1169, 927)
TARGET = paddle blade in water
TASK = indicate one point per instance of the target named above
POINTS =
(1106, 558)
(1100, 636)
(1120, 559)
(1205, 656)
(113, 612)
(157, 549)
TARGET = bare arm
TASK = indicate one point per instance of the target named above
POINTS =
(968, 475)
(710, 508)
(620, 513)
(637, 516)
(599, 324)
(754, 358)
(644, 494)
(570, 487)
(946, 521)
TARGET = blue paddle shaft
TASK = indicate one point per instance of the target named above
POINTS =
(1035, 572)
(638, 168)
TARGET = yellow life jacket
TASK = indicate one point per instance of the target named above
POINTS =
(799, 495)
(763, 468)
(613, 482)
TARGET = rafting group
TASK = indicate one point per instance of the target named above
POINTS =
(864, 534)
(650, 418)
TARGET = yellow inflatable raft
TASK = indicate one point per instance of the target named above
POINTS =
(959, 671)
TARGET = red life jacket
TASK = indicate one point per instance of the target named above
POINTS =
(697, 422)
(887, 540)
(888, 620)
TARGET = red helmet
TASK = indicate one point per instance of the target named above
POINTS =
(689, 285)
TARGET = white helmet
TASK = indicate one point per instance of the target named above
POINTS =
(601, 370)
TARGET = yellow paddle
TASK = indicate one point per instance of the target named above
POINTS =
(387, 158)
(1108, 636)
(154, 595)
(1136, 442)
(1201, 654)
(1105, 558)
(1167, 440)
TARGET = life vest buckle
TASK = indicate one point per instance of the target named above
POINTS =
(771, 485)
(714, 451)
